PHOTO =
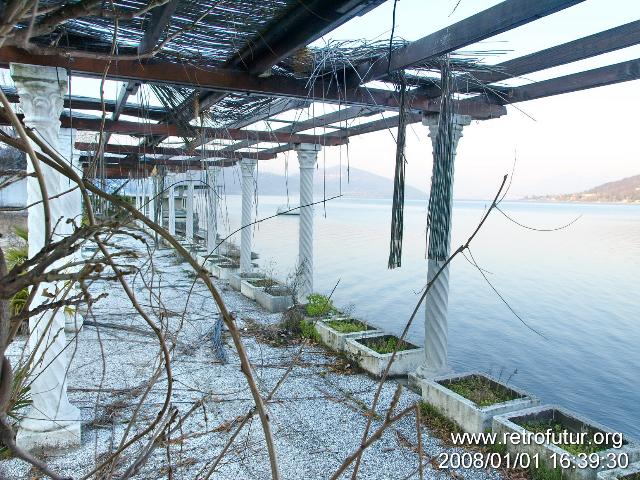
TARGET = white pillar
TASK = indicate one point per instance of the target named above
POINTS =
(212, 210)
(51, 420)
(248, 166)
(437, 300)
(171, 201)
(151, 206)
(307, 157)
(73, 209)
(189, 217)
(136, 194)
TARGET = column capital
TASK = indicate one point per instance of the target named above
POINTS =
(41, 91)
(247, 165)
(459, 122)
(307, 154)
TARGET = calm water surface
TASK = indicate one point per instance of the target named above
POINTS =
(579, 287)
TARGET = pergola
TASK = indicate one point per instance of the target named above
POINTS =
(189, 45)
(223, 69)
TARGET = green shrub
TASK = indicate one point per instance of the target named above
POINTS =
(293, 322)
(319, 305)
(308, 331)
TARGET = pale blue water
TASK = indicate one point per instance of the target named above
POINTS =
(579, 286)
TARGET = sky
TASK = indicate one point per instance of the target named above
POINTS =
(561, 144)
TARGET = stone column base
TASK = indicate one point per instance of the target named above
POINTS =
(73, 324)
(63, 438)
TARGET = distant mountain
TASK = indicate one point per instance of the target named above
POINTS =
(359, 183)
(626, 190)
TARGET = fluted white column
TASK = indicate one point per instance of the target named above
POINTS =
(137, 197)
(248, 166)
(73, 209)
(151, 205)
(212, 210)
(171, 201)
(189, 217)
(437, 301)
(307, 158)
(51, 420)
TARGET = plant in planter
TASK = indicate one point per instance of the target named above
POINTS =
(472, 399)
(481, 390)
(374, 352)
(319, 305)
(565, 441)
(335, 330)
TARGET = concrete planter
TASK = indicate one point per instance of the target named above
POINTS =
(375, 363)
(225, 270)
(620, 473)
(248, 289)
(274, 303)
(236, 279)
(509, 430)
(337, 340)
(470, 416)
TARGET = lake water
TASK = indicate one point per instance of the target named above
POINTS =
(580, 287)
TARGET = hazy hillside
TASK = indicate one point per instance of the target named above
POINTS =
(626, 190)
(359, 184)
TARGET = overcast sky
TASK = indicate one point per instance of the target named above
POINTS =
(562, 144)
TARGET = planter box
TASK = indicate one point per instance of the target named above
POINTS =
(274, 303)
(337, 340)
(620, 473)
(225, 270)
(236, 279)
(222, 269)
(375, 363)
(248, 289)
(470, 416)
(508, 428)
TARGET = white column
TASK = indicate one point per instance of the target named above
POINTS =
(151, 192)
(437, 300)
(171, 201)
(73, 209)
(189, 217)
(248, 166)
(212, 210)
(307, 157)
(136, 194)
(51, 420)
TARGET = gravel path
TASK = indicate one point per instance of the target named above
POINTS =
(318, 415)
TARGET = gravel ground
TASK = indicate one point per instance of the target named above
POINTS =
(318, 415)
